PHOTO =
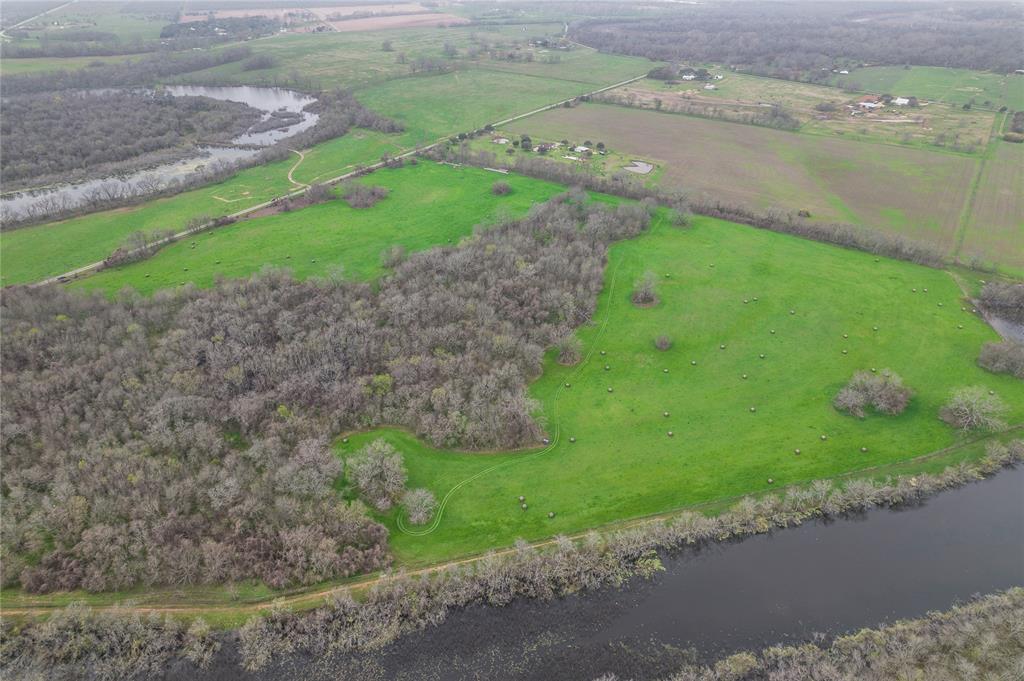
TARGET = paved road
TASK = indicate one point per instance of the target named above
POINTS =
(3, 32)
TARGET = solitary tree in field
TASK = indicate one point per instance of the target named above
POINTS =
(974, 408)
(420, 505)
(378, 474)
(643, 290)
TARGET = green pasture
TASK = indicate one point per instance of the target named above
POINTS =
(955, 86)
(428, 205)
(46, 250)
(624, 464)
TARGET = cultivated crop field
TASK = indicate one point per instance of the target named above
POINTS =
(996, 231)
(428, 205)
(956, 86)
(624, 464)
(906, 191)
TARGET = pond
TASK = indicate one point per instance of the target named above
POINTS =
(824, 578)
(53, 198)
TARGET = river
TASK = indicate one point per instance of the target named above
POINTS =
(267, 100)
(823, 578)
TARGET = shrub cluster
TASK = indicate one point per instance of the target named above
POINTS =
(884, 392)
(1006, 357)
(1004, 299)
(643, 290)
(974, 408)
(175, 439)
(501, 188)
(363, 196)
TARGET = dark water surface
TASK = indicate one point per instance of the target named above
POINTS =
(821, 578)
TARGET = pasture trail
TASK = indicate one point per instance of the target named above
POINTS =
(556, 436)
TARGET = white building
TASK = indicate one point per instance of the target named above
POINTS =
(900, 101)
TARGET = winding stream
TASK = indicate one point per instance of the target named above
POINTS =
(50, 199)
(821, 578)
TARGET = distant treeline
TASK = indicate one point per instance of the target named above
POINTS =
(805, 40)
(50, 133)
(173, 37)
(130, 73)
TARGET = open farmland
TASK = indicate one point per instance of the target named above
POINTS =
(955, 86)
(995, 232)
(907, 191)
(427, 205)
(742, 97)
(623, 463)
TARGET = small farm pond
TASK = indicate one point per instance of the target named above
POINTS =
(271, 101)
(822, 578)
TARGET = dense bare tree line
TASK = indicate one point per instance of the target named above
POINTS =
(806, 40)
(174, 440)
(403, 604)
(135, 72)
(52, 133)
(1004, 299)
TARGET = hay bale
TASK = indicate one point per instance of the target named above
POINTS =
(572, 439)
(609, 389)
(670, 433)
(744, 377)
(761, 355)
(521, 498)
(796, 451)
(693, 362)
(824, 437)
(551, 514)
(753, 409)
(666, 414)
(864, 449)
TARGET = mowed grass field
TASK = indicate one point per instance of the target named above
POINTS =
(906, 191)
(623, 463)
(428, 205)
(996, 230)
(956, 86)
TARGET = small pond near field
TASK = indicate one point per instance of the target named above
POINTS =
(271, 101)
(822, 578)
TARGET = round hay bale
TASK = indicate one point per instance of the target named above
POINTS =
(913, 290)
(664, 371)
(668, 276)
(521, 498)
(796, 451)
(959, 326)
(670, 433)
(567, 385)
(693, 362)
(874, 328)
(991, 392)
(792, 312)
(344, 440)
(846, 335)
(551, 514)
(185, 270)
(313, 260)
(864, 449)
(603, 353)
(844, 351)
(874, 370)
(925, 290)
(772, 332)
(606, 367)
(524, 507)
(546, 441)
(824, 437)
(745, 301)
(940, 304)
(744, 377)
(666, 414)
(753, 409)
(761, 355)
(771, 481)
(755, 299)
(572, 439)
(609, 389)
(721, 347)
(974, 309)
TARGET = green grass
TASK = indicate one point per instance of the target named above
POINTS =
(10, 67)
(955, 86)
(624, 465)
(428, 204)
(50, 249)
(434, 106)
